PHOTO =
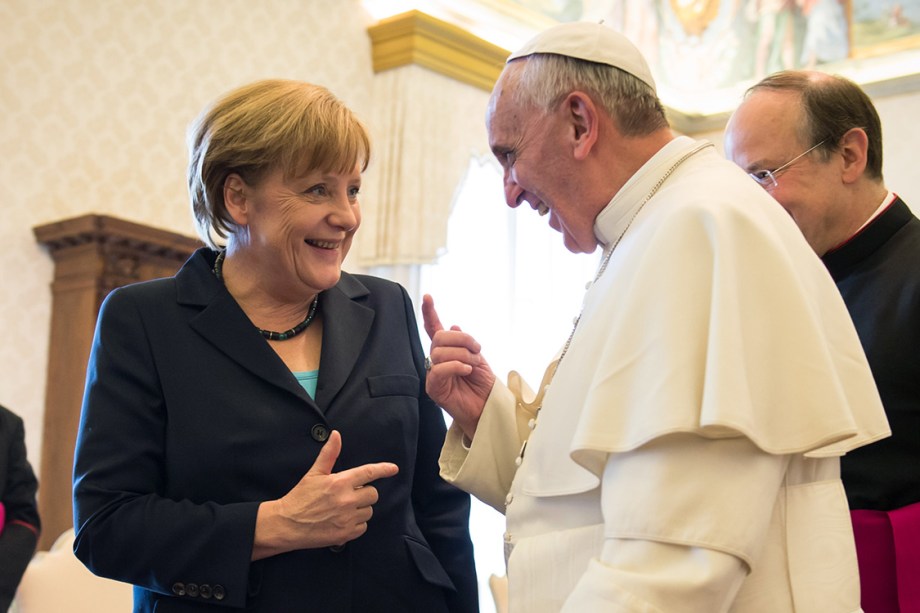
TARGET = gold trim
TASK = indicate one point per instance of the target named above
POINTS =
(888, 47)
(417, 38)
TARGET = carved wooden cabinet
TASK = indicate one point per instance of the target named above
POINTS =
(93, 254)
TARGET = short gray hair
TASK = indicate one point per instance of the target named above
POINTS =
(547, 78)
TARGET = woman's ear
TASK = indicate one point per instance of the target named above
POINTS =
(235, 199)
(854, 147)
(582, 113)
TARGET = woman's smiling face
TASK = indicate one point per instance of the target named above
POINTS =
(301, 228)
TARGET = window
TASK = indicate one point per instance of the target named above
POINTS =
(507, 279)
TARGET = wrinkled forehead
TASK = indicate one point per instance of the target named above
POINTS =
(504, 113)
(501, 96)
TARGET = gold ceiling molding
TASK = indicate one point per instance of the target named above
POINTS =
(417, 38)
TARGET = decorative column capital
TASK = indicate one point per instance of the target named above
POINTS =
(414, 37)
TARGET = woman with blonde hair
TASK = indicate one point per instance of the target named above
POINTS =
(255, 430)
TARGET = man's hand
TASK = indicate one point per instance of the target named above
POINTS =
(460, 379)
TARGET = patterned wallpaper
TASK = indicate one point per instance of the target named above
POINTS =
(96, 96)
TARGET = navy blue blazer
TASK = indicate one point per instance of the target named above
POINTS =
(190, 420)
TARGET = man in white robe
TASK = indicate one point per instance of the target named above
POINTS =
(685, 455)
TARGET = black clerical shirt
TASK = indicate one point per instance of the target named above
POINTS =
(878, 274)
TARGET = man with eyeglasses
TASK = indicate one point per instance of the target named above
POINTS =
(814, 142)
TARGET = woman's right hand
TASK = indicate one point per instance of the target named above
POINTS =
(324, 509)
(460, 379)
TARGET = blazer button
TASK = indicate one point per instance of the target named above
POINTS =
(191, 589)
(205, 590)
(178, 589)
(218, 592)
(320, 433)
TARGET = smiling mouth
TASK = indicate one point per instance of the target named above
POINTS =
(539, 207)
(322, 244)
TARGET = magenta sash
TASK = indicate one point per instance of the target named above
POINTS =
(888, 554)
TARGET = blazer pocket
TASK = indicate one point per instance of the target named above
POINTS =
(393, 385)
(428, 564)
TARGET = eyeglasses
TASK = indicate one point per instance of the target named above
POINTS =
(767, 178)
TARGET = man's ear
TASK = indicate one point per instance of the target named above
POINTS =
(235, 198)
(854, 148)
(583, 117)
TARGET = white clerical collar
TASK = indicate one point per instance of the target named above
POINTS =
(884, 205)
(615, 217)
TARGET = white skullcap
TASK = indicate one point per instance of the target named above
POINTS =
(593, 42)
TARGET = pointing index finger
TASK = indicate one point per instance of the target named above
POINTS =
(364, 474)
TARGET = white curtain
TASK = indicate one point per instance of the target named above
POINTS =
(425, 126)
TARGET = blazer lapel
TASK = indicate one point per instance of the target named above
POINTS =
(224, 324)
(346, 324)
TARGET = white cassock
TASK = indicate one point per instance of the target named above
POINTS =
(686, 456)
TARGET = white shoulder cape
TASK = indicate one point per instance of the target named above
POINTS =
(713, 317)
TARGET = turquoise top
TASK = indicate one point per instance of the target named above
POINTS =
(307, 380)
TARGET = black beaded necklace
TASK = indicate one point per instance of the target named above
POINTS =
(270, 334)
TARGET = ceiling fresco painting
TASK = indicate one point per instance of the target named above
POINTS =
(705, 53)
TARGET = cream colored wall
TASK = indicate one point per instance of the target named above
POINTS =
(901, 132)
(96, 96)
